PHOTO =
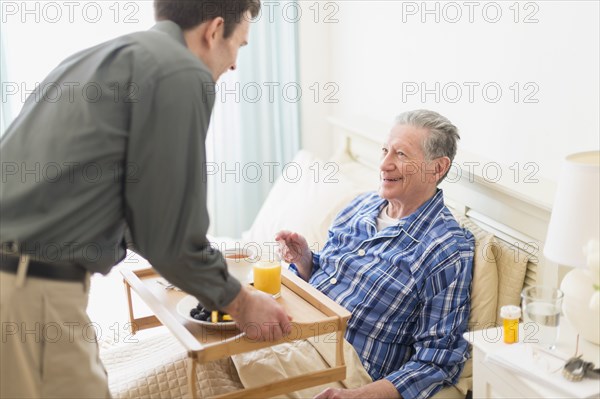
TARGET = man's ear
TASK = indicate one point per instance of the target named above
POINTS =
(441, 167)
(215, 29)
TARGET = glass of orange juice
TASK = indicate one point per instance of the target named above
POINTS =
(267, 277)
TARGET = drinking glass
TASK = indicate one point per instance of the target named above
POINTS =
(541, 312)
(267, 275)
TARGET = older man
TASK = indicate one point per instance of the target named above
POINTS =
(400, 263)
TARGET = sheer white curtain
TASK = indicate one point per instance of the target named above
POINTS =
(255, 128)
(5, 111)
(256, 117)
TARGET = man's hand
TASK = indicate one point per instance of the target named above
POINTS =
(259, 315)
(337, 393)
(381, 389)
(294, 249)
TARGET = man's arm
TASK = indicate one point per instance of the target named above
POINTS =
(306, 272)
(294, 250)
(165, 194)
(165, 188)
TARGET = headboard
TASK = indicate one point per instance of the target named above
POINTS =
(515, 212)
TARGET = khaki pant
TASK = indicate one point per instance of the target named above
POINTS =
(48, 347)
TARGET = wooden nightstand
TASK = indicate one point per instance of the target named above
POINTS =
(491, 380)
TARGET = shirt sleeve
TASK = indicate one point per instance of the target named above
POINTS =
(439, 349)
(339, 219)
(315, 258)
(165, 186)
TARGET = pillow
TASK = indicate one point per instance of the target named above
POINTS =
(484, 291)
(512, 267)
(484, 288)
(485, 285)
(364, 177)
(305, 201)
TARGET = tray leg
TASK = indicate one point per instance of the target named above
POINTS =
(191, 377)
(339, 349)
(132, 323)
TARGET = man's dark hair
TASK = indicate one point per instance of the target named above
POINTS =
(190, 13)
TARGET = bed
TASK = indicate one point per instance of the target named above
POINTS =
(509, 227)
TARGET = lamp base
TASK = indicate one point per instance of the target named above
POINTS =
(578, 290)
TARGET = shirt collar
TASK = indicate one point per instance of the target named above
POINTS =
(425, 214)
(171, 29)
(413, 223)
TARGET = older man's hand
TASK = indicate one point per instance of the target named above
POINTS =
(336, 393)
(294, 249)
(381, 389)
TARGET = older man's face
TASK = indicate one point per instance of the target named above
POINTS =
(405, 174)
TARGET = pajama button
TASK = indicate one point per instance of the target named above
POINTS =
(361, 252)
(333, 280)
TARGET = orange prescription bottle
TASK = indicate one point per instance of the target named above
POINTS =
(511, 315)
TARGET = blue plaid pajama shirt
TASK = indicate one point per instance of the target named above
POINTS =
(407, 287)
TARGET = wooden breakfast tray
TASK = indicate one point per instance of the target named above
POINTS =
(313, 314)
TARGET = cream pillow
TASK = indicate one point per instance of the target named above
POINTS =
(363, 177)
(512, 267)
(484, 288)
(484, 296)
(485, 284)
(306, 206)
(484, 291)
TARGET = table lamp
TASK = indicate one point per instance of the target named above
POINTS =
(572, 240)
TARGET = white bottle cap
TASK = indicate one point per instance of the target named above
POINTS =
(510, 312)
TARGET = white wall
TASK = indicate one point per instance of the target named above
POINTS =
(314, 68)
(378, 51)
(38, 35)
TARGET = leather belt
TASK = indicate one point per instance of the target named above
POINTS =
(46, 270)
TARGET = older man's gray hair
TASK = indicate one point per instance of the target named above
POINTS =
(443, 137)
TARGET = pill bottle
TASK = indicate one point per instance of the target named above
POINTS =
(510, 315)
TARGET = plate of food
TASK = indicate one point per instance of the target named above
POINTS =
(191, 310)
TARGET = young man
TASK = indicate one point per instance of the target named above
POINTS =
(124, 147)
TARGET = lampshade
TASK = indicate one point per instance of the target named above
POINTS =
(575, 219)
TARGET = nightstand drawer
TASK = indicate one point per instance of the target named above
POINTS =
(503, 378)
(492, 381)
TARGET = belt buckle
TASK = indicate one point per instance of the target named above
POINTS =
(10, 248)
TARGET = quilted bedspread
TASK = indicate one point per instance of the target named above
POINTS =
(155, 367)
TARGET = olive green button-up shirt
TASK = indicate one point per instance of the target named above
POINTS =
(114, 137)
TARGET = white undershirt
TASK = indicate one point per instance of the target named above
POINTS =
(384, 220)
